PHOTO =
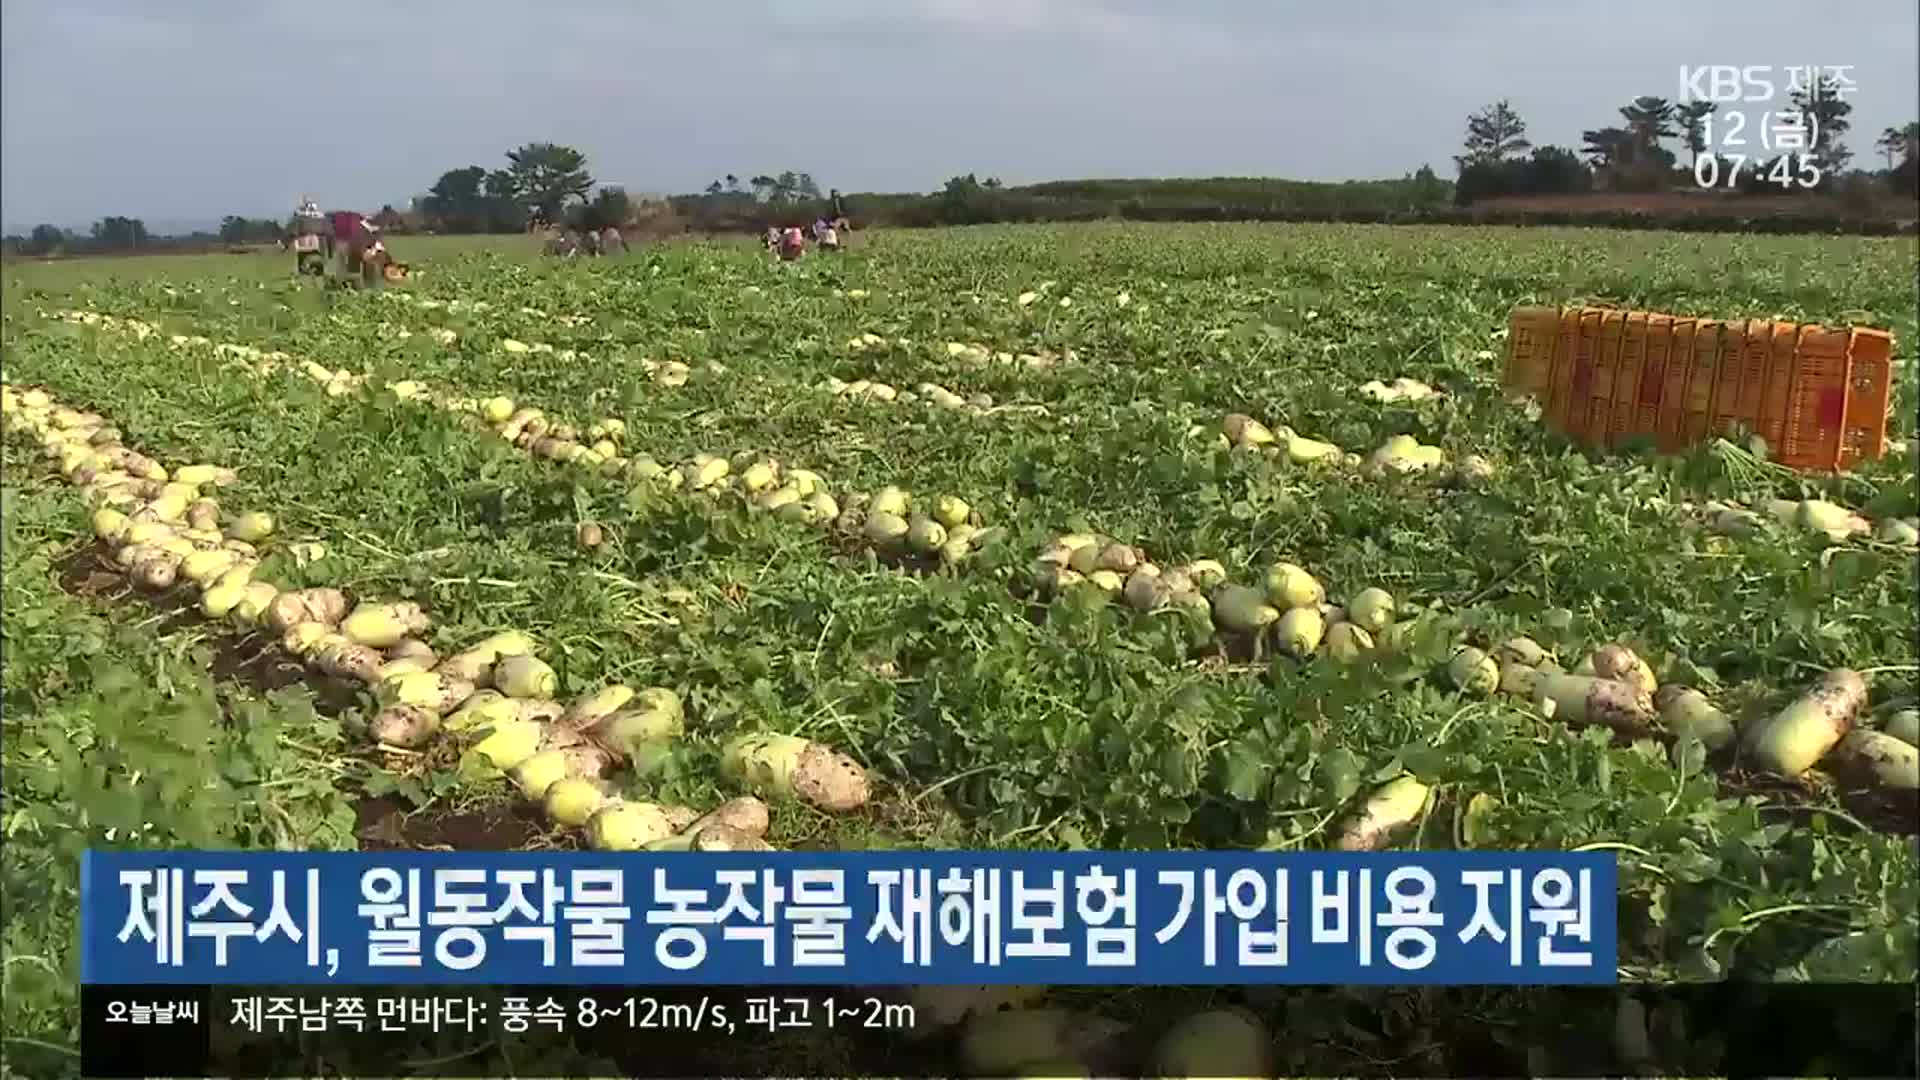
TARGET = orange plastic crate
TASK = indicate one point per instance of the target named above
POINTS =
(1532, 335)
(1653, 376)
(1626, 379)
(1609, 338)
(1817, 401)
(1746, 346)
(1869, 396)
(1703, 377)
(1771, 423)
(1756, 354)
(1818, 396)
(1671, 434)
(1723, 407)
(1566, 361)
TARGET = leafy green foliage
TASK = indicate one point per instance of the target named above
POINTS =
(116, 738)
(993, 722)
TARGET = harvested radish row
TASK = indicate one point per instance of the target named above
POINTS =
(1622, 664)
(884, 519)
(525, 676)
(591, 709)
(1289, 587)
(1687, 713)
(554, 755)
(1290, 603)
(719, 837)
(654, 716)
(476, 663)
(735, 825)
(1816, 516)
(802, 498)
(978, 405)
(1886, 762)
(1791, 741)
(1405, 454)
(562, 755)
(1474, 672)
(1392, 806)
(1400, 453)
(313, 606)
(1582, 700)
(1240, 431)
(791, 767)
(1402, 389)
(571, 801)
(628, 826)
(1609, 688)
(1347, 642)
(1299, 628)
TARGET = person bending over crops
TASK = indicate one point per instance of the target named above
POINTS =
(362, 253)
(793, 244)
(590, 242)
(611, 242)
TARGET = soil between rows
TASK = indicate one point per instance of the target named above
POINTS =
(385, 823)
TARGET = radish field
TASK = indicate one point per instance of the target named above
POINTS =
(1087, 537)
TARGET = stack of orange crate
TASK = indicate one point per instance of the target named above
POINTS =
(1818, 396)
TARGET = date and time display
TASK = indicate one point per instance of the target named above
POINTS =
(1766, 121)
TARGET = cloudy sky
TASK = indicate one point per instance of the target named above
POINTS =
(178, 110)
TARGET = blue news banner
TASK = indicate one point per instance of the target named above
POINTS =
(188, 959)
(1079, 918)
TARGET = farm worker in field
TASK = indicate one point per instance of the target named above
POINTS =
(590, 241)
(361, 250)
(826, 235)
(838, 210)
(772, 239)
(312, 245)
(611, 242)
(793, 243)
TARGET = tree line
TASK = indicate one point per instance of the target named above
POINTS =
(544, 183)
(113, 234)
(549, 184)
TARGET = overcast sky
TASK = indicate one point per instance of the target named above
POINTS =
(188, 109)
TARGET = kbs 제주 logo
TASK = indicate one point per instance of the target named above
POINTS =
(1758, 122)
